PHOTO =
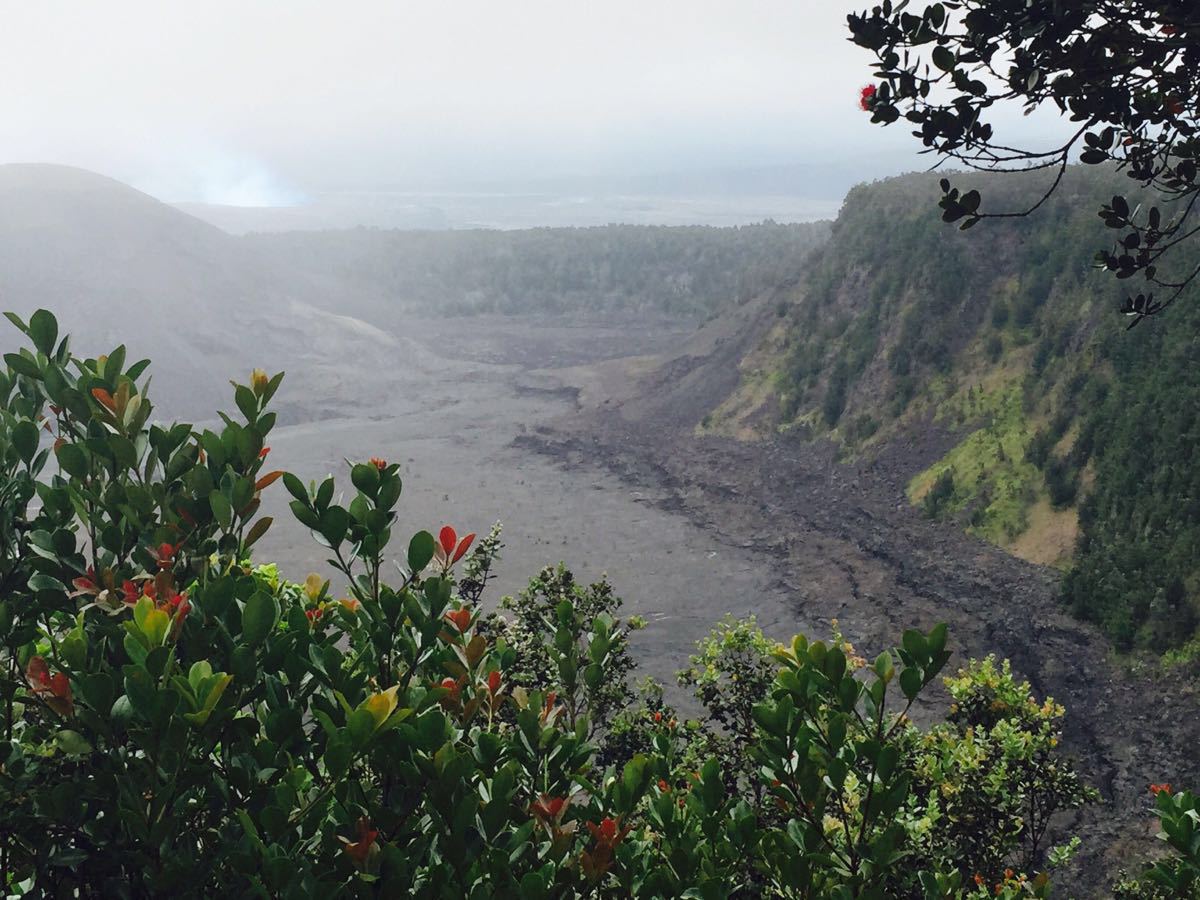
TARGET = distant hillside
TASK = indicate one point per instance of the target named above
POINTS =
(991, 369)
(116, 265)
(681, 272)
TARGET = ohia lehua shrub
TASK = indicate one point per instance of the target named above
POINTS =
(178, 719)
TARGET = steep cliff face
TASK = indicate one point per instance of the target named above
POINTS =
(991, 372)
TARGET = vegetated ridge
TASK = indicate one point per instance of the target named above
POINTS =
(990, 372)
(684, 272)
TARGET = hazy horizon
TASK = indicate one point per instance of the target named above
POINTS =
(263, 105)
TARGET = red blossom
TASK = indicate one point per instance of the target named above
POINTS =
(546, 807)
(866, 97)
(314, 615)
(448, 538)
(454, 688)
(164, 554)
(548, 706)
(450, 548)
(177, 607)
(657, 716)
(262, 454)
(463, 546)
(460, 619)
(378, 462)
(105, 399)
(54, 690)
(608, 833)
(1157, 789)
(663, 786)
(359, 850)
(86, 584)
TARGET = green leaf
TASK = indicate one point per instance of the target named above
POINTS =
(222, 509)
(114, 364)
(910, 683)
(937, 639)
(885, 667)
(914, 642)
(72, 460)
(420, 551)
(72, 743)
(246, 402)
(295, 487)
(25, 439)
(22, 365)
(43, 329)
(39, 581)
(259, 617)
(943, 58)
(334, 524)
(365, 477)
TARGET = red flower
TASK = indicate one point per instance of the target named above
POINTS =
(460, 619)
(454, 688)
(178, 608)
(608, 833)
(378, 463)
(548, 706)
(314, 615)
(546, 807)
(657, 716)
(86, 584)
(164, 554)
(105, 399)
(449, 548)
(866, 97)
(262, 454)
(663, 786)
(54, 690)
(1157, 789)
(494, 681)
(359, 850)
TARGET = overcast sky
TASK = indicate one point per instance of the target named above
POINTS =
(266, 100)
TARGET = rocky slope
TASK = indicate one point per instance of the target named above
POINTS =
(712, 426)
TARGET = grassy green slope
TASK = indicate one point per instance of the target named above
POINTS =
(1070, 439)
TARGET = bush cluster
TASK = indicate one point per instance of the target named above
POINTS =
(178, 719)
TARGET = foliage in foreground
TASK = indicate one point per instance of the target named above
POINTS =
(177, 719)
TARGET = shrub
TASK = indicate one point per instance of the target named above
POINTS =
(940, 494)
(178, 719)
